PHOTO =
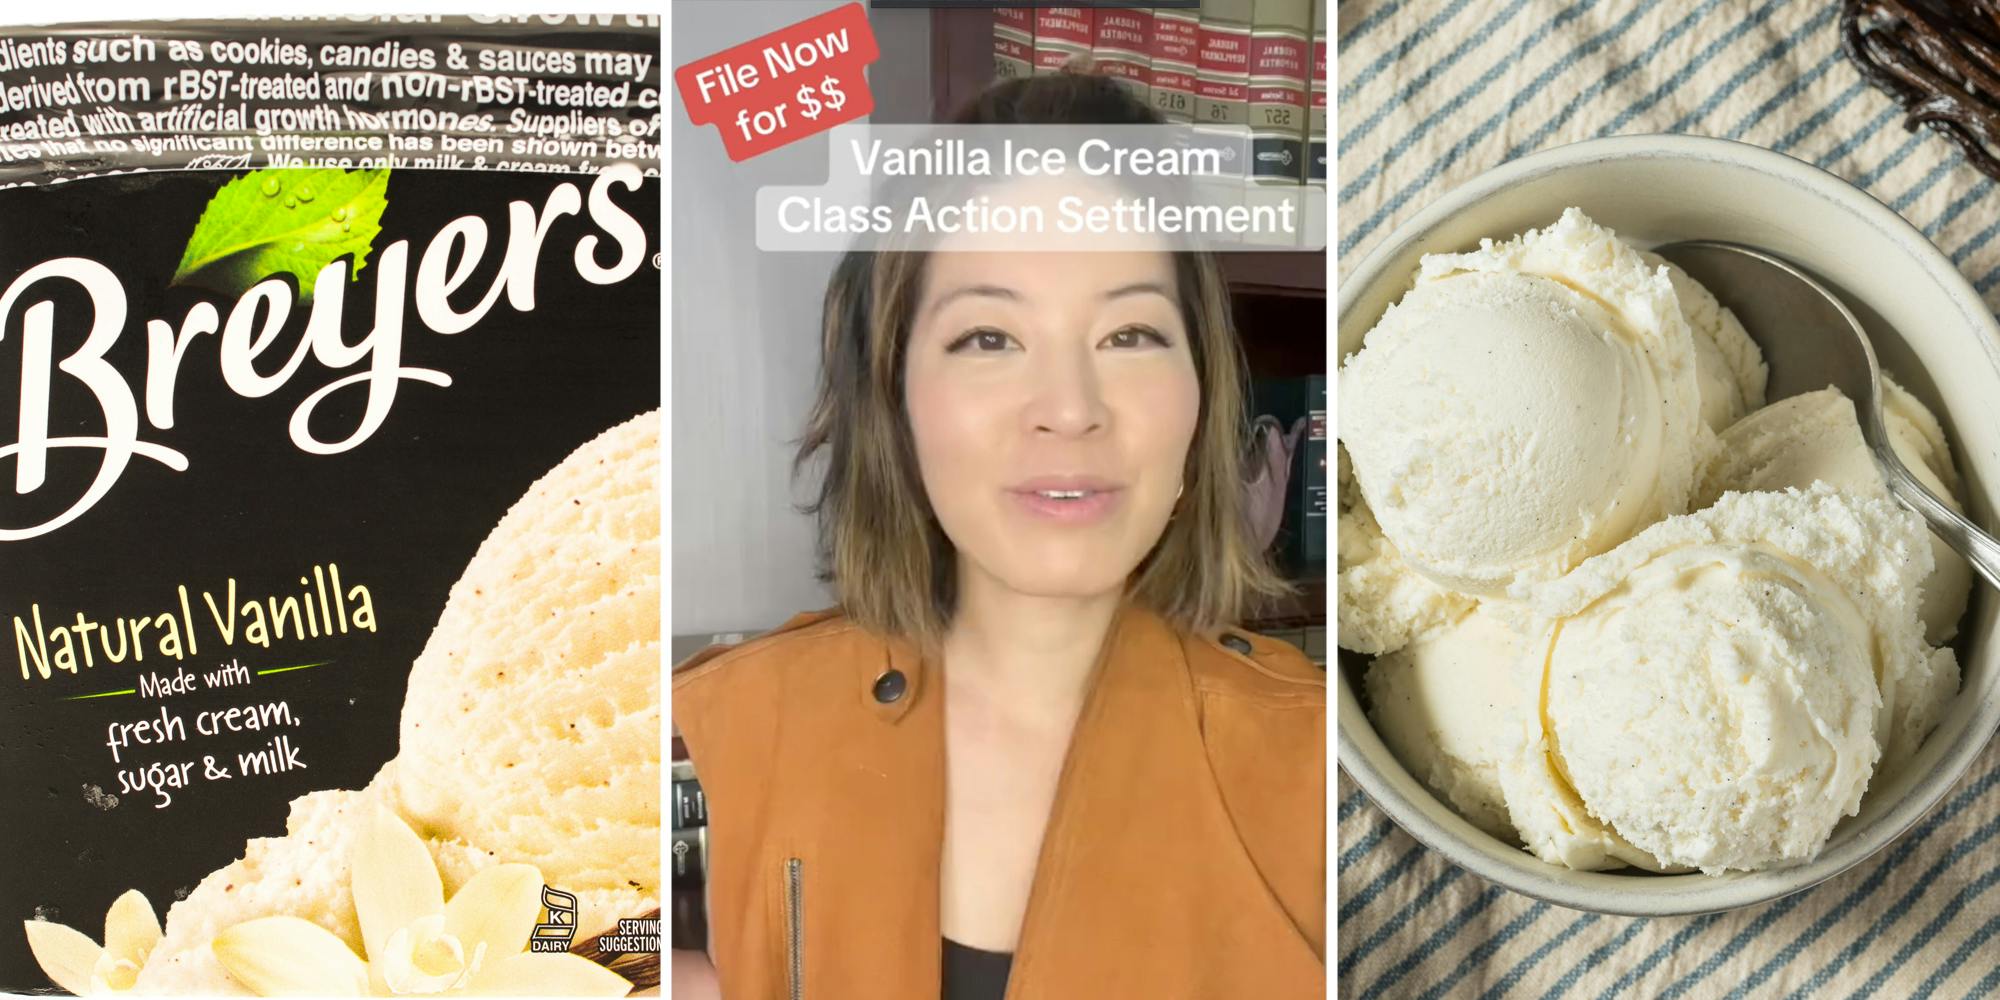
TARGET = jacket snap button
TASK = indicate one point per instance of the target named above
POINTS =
(1236, 642)
(890, 686)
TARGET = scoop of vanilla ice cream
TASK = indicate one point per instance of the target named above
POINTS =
(1815, 437)
(1710, 687)
(1523, 407)
(1728, 365)
(556, 765)
(531, 729)
(1549, 817)
(1712, 723)
(1447, 705)
(1383, 603)
(1916, 431)
(304, 874)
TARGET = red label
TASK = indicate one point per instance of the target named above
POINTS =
(1278, 55)
(1124, 31)
(1319, 73)
(1167, 79)
(1225, 49)
(1021, 19)
(1013, 48)
(1221, 90)
(1274, 94)
(1055, 55)
(1122, 69)
(1071, 25)
(784, 86)
(1175, 40)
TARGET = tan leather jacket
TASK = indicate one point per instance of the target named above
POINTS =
(1185, 855)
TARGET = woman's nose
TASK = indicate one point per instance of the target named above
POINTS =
(1067, 397)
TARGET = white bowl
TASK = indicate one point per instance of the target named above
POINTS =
(1930, 330)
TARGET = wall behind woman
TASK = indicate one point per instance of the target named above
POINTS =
(746, 336)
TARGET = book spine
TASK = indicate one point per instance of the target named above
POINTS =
(1062, 34)
(1175, 50)
(1121, 47)
(1279, 66)
(1316, 113)
(690, 805)
(690, 920)
(689, 851)
(1013, 42)
(1222, 75)
(690, 857)
(1315, 470)
(1286, 400)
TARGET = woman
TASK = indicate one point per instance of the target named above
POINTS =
(1021, 757)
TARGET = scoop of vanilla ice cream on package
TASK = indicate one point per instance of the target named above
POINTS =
(1716, 691)
(1523, 407)
(532, 724)
(305, 873)
(530, 733)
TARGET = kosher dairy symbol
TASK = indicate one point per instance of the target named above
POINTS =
(559, 930)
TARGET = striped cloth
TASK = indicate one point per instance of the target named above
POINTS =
(1433, 92)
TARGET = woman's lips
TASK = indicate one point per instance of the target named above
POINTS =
(1068, 504)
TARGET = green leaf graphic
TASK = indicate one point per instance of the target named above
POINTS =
(284, 221)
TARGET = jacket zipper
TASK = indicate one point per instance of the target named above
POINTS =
(795, 931)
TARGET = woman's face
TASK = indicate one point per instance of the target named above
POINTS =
(1052, 398)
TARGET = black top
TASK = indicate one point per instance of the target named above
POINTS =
(972, 974)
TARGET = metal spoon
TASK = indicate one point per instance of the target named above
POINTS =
(1811, 340)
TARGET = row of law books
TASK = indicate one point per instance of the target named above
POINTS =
(1258, 66)
(689, 861)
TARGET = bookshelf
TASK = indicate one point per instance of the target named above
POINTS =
(962, 66)
(1301, 610)
(1283, 273)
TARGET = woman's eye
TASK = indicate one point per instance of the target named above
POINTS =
(984, 339)
(1136, 336)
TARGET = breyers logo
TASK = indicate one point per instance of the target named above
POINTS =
(130, 404)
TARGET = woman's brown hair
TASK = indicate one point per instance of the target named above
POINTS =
(881, 546)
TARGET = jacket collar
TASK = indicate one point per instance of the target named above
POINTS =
(917, 676)
(895, 656)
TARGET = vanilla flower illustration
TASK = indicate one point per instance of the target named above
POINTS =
(416, 942)
(79, 965)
